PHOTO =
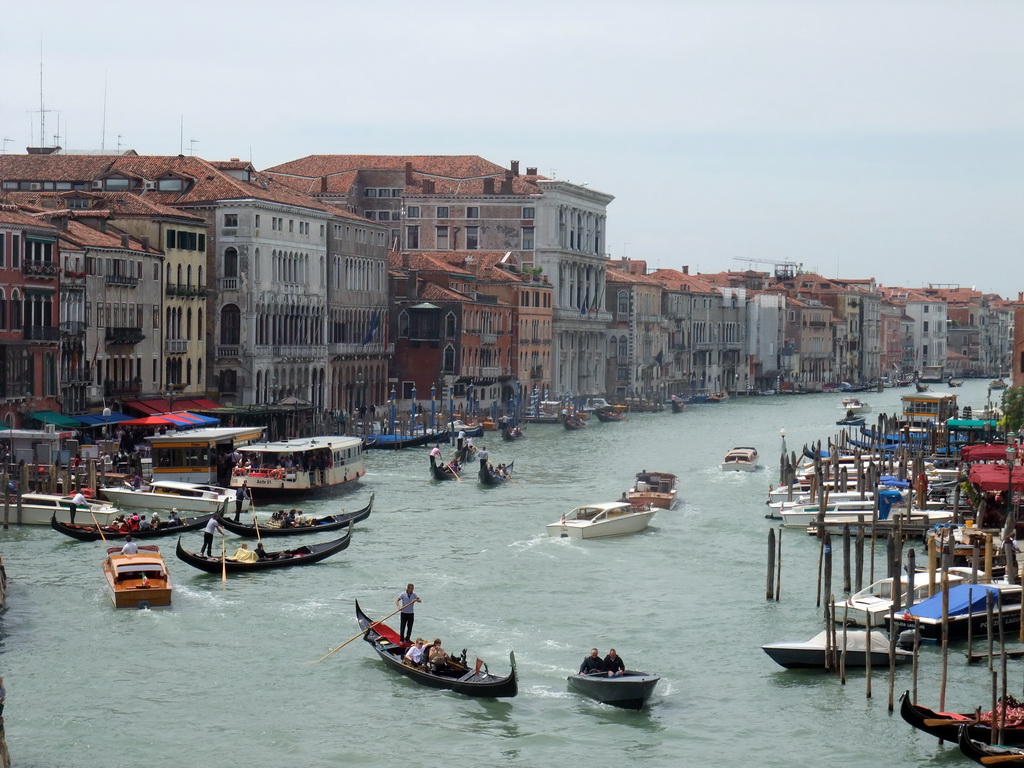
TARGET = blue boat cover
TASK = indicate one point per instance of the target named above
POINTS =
(894, 481)
(886, 499)
(963, 598)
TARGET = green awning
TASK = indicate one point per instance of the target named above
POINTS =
(57, 419)
(971, 424)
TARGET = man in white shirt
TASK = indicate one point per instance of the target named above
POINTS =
(211, 528)
(130, 547)
(78, 500)
(416, 653)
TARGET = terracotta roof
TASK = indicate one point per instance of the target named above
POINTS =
(112, 203)
(433, 292)
(79, 235)
(423, 262)
(621, 277)
(675, 280)
(15, 216)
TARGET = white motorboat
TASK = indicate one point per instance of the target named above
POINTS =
(38, 508)
(812, 653)
(873, 603)
(612, 518)
(854, 405)
(741, 459)
(856, 511)
(167, 494)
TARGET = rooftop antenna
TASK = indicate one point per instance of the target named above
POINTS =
(119, 137)
(42, 108)
(103, 135)
(5, 145)
(192, 146)
(56, 136)
(181, 135)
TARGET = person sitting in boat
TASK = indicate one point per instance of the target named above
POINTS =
(244, 555)
(144, 524)
(261, 553)
(414, 656)
(289, 521)
(438, 658)
(154, 520)
(613, 664)
(173, 519)
(133, 521)
(593, 663)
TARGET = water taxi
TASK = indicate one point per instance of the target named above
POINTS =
(301, 467)
(39, 508)
(657, 489)
(614, 518)
(168, 494)
(137, 581)
(740, 459)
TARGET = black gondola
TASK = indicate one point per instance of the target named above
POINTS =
(395, 442)
(606, 415)
(490, 476)
(630, 690)
(512, 433)
(572, 423)
(678, 406)
(988, 754)
(946, 725)
(460, 678)
(89, 532)
(285, 558)
(441, 471)
(328, 523)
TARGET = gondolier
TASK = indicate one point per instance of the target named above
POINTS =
(407, 600)
(211, 527)
(78, 500)
(240, 494)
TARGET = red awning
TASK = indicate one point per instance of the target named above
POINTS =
(983, 452)
(164, 404)
(994, 477)
(148, 421)
(147, 407)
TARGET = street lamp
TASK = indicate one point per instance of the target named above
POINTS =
(106, 422)
(433, 405)
(359, 388)
(1011, 521)
(392, 430)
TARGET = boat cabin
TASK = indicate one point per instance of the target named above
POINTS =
(301, 465)
(199, 455)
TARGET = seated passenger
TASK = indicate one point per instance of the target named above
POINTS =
(592, 663)
(244, 555)
(437, 661)
(415, 654)
(154, 521)
(174, 519)
(144, 524)
(261, 553)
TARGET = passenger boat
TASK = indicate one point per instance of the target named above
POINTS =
(326, 523)
(814, 653)
(655, 488)
(137, 581)
(306, 554)
(491, 476)
(89, 532)
(167, 494)
(947, 725)
(397, 442)
(988, 754)
(40, 508)
(854, 405)
(740, 459)
(966, 608)
(447, 471)
(997, 384)
(459, 677)
(630, 690)
(613, 518)
(302, 467)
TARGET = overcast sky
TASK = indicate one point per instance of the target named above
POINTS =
(859, 138)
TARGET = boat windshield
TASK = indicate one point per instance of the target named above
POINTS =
(135, 570)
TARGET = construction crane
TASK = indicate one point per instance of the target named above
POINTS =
(784, 270)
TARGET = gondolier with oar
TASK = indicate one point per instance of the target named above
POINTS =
(407, 600)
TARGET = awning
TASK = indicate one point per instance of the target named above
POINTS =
(186, 420)
(99, 420)
(148, 407)
(995, 478)
(57, 419)
(971, 425)
(165, 404)
(983, 452)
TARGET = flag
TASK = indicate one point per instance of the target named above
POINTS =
(374, 322)
(583, 309)
(660, 358)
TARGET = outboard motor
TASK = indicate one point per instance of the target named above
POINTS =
(908, 639)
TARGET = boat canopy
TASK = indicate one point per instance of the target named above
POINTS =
(995, 477)
(983, 452)
(886, 498)
(963, 599)
(856, 640)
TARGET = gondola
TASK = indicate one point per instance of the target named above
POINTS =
(89, 532)
(630, 690)
(920, 387)
(328, 523)
(512, 433)
(572, 423)
(395, 442)
(946, 725)
(441, 471)
(988, 754)
(286, 558)
(462, 679)
(490, 476)
(608, 415)
(678, 406)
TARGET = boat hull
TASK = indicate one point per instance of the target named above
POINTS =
(337, 522)
(42, 513)
(125, 497)
(631, 690)
(304, 556)
(583, 529)
(89, 532)
(800, 656)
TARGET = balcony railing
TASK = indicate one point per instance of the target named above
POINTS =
(72, 327)
(122, 388)
(229, 283)
(175, 346)
(229, 350)
(128, 280)
(186, 291)
(77, 376)
(41, 333)
(45, 269)
(490, 371)
(349, 348)
(488, 338)
(124, 335)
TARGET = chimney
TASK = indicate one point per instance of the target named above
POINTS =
(429, 187)
(506, 183)
(124, 241)
(515, 167)
(145, 242)
(489, 185)
(686, 269)
(405, 260)
(531, 171)
(408, 173)
(323, 183)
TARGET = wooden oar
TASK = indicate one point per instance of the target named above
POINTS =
(357, 636)
(97, 524)
(223, 560)
(256, 525)
(931, 722)
(993, 759)
(452, 470)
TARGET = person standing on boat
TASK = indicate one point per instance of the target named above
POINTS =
(78, 500)
(407, 600)
(592, 663)
(613, 664)
(211, 527)
(240, 493)
(436, 453)
(483, 455)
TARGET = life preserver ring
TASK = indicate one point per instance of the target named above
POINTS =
(277, 474)
(238, 472)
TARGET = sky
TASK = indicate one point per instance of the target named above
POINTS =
(857, 138)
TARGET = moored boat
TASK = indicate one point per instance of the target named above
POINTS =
(630, 690)
(614, 518)
(814, 653)
(457, 676)
(306, 554)
(947, 725)
(302, 467)
(40, 508)
(966, 608)
(399, 441)
(167, 494)
(137, 581)
(317, 525)
(655, 488)
(988, 754)
(90, 533)
(873, 603)
(740, 459)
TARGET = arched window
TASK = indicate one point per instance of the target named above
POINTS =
(450, 325)
(623, 306)
(199, 371)
(199, 325)
(188, 378)
(230, 325)
(199, 281)
(15, 311)
(179, 275)
(169, 273)
(403, 324)
(188, 324)
(449, 359)
(188, 280)
(230, 263)
(613, 347)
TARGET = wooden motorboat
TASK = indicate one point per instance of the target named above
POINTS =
(997, 384)
(614, 518)
(458, 677)
(89, 532)
(740, 459)
(137, 581)
(657, 489)
(326, 523)
(814, 653)
(167, 494)
(966, 608)
(444, 471)
(285, 558)
(947, 725)
(491, 476)
(40, 508)
(630, 690)
(988, 754)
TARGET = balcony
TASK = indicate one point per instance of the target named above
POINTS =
(228, 350)
(175, 346)
(72, 327)
(122, 388)
(490, 371)
(127, 280)
(229, 283)
(41, 333)
(373, 348)
(488, 338)
(76, 377)
(43, 269)
(537, 372)
(124, 336)
(186, 291)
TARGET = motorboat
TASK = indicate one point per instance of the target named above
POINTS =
(852, 405)
(873, 603)
(137, 581)
(740, 459)
(966, 607)
(613, 518)
(813, 654)
(658, 489)
(167, 494)
(630, 690)
(890, 506)
(40, 508)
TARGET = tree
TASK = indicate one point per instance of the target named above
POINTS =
(1013, 408)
